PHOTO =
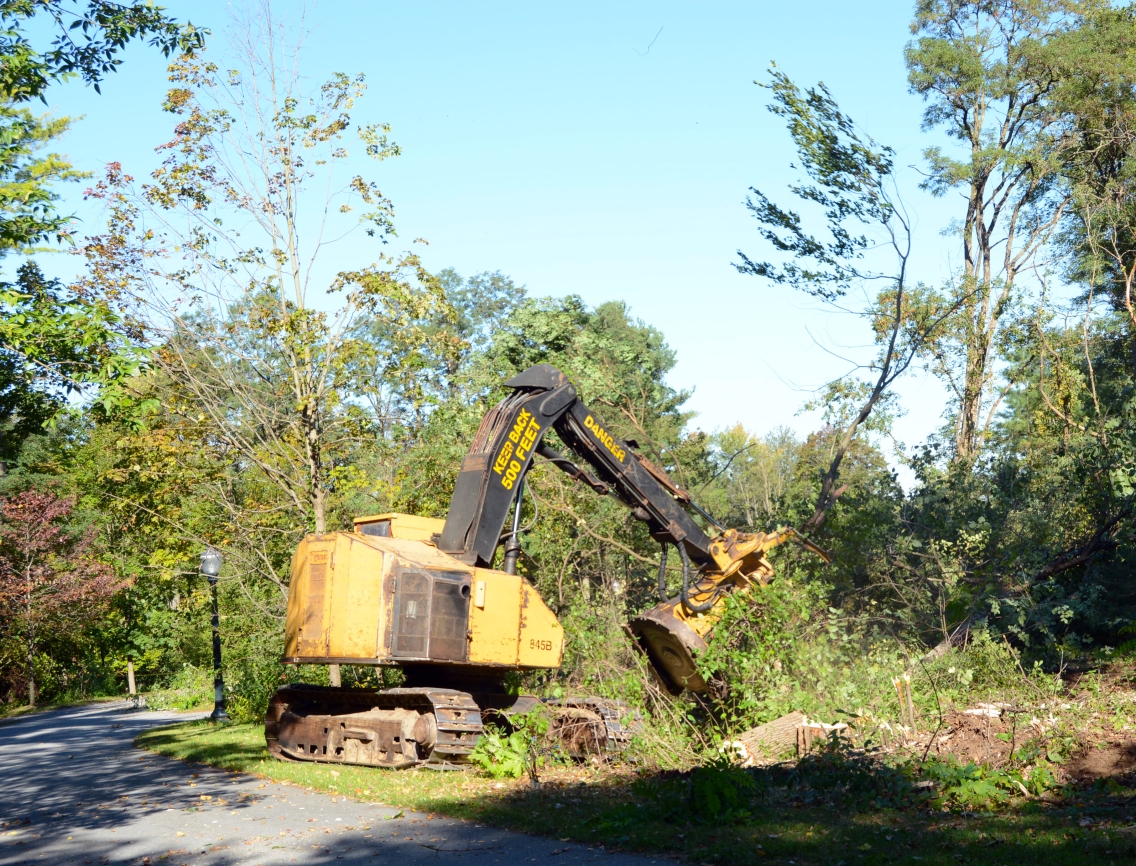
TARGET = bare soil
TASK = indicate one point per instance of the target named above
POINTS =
(974, 739)
(1114, 759)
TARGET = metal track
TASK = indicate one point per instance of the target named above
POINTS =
(619, 722)
(395, 728)
(400, 728)
(458, 719)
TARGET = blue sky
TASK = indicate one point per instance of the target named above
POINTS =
(580, 149)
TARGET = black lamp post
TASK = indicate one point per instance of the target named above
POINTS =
(211, 567)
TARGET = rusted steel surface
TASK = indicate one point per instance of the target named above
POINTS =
(580, 733)
(395, 728)
(593, 726)
(399, 728)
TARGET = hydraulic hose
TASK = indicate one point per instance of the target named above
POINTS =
(513, 545)
(685, 596)
(663, 572)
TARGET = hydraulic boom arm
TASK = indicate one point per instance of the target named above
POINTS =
(675, 631)
(493, 471)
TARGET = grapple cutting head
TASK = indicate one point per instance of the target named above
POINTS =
(673, 633)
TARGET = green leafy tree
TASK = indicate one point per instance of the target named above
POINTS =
(991, 74)
(754, 476)
(1098, 91)
(44, 332)
(850, 178)
(27, 179)
(35, 365)
(253, 351)
(1040, 98)
(86, 40)
(481, 303)
(53, 342)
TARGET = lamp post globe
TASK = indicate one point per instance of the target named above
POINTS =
(211, 566)
(211, 562)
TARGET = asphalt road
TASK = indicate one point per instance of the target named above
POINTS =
(73, 790)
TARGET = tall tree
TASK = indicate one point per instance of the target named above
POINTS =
(1078, 374)
(1098, 90)
(43, 329)
(989, 72)
(222, 250)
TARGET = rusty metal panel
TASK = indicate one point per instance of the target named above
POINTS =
(411, 615)
(449, 617)
(391, 728)
(313, 635)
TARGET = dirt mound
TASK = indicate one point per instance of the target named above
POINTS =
(1115, 759)
(987, 734)
(974, 738)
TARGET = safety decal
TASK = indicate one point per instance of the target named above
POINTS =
(517, 448)
(606, 439)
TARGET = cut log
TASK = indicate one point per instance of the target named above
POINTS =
(770, 740)
(810, 733)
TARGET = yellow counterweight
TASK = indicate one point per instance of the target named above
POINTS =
(385, 595)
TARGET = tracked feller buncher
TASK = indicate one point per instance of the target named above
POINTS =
(421, 594)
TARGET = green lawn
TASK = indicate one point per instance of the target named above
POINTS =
(648, 811)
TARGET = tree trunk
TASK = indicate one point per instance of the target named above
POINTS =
(31, 675)
(967, 439)
(310, 421)
(319, 513)
(31, 640)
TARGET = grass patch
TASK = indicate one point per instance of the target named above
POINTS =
(815, 814)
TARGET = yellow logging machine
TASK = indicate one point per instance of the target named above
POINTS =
(421, 594)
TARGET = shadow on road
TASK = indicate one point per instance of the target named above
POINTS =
(73, 790)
